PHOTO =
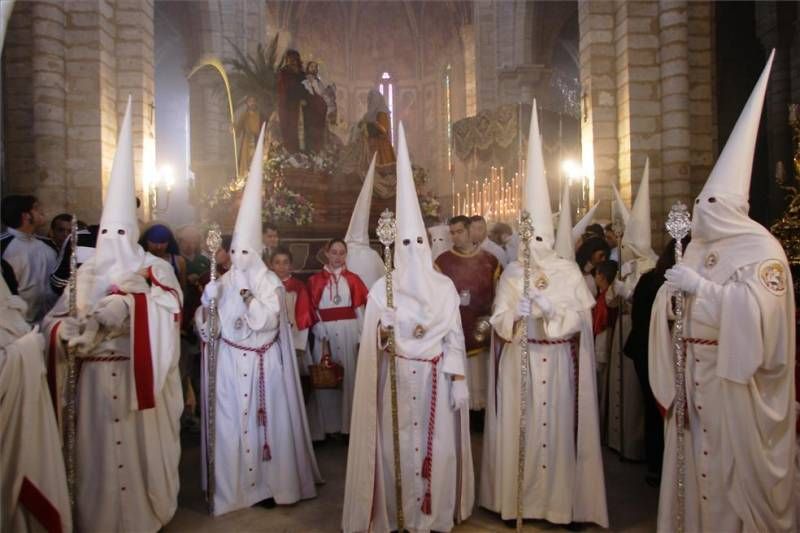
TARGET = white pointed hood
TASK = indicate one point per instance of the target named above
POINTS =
(117, 252)
(721, 208)
(580, 228)
(440, 239)
(565, 242)
(618, 207)
(358, 230)
(361, 258)
(416, 280)
(247, 231)
(536, 197)
(636, 242)
(6, 6)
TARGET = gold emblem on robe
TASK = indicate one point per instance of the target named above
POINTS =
(541, 282)
(772, 275)
(712, 259)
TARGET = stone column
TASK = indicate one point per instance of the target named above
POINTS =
(701, 106)
(675, 132)
(598, 98)
(486, 54)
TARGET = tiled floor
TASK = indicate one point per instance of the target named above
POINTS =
(632, 503)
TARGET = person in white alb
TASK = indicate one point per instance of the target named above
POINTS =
(362, 260)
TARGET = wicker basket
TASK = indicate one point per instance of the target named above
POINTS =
(327, 374)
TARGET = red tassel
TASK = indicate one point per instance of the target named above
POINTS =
(266, 454)
(426, 468)
(426, 503)
(262, 417)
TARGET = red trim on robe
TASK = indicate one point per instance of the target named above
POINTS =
(51, 366)
(318, 282)
(142, 353)
(37, 504)
(303, 314)
(154, 280)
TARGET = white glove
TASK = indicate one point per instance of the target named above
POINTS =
(459, 395)
(544, 304)
(683, 278)
(388, 318)
(627, 268)
(524, 307)
(77, 332)
(211, 292)
(111, 311)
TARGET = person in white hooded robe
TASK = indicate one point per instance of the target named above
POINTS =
(740, 357)
(625, 421)
(433, 400)
(563, 476)
(33, 483)
(361, 258)
(262, 443)
(129, 397)
(440, 240)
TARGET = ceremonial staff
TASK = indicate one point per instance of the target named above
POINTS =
(70, 430)
(678, 225)
(525, 233)
(213, 241)
(386, 233)
(617, 228)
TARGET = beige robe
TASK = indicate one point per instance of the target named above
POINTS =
(740, 441)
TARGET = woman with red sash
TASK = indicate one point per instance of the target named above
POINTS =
(337, 298)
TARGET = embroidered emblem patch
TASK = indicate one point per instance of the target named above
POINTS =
(541, 282)
(712, 259)
(772, 275)
(419, 332)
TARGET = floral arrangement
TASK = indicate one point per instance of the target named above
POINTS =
(429, 205)
(279, 159)
(287, 207)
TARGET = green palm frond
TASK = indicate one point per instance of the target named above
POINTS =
(255, 74)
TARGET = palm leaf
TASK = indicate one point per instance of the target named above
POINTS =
(255, 75)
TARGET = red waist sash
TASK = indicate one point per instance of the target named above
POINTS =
(337, 313)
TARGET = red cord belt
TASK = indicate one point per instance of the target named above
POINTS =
(427, 463)
(266, 453)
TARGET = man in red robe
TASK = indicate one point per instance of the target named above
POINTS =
(474, 272)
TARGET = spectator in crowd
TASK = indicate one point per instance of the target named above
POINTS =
(31, 257)
(613, 243)
(86, 244)
(592, 251)
(60, 228)
(603, 318)
(271, 240)
(159, 240)
(479, 234)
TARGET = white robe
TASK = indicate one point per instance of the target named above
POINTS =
(32, 261)
(496, 250)
(127, 457)
(242, 475)
(370, 487)
(364, 261)
(329, 410)
(624, 392)
(740, 441)
(31, 463)
(564, 479)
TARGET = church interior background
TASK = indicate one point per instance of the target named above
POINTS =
(616, 80)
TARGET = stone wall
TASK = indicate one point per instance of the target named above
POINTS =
(647, 77)
(69, 68)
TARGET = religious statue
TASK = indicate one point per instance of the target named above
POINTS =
(291, 95)
(372, 135)
(247, 129)
(315, 113)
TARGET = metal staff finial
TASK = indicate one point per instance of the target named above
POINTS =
(678, 225)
